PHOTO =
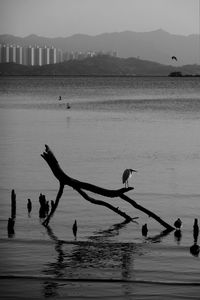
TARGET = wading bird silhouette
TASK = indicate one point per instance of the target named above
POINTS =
(126, 175)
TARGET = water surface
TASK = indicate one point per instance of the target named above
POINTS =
(148, 124)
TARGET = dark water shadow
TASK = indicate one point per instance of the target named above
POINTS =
(178, 236)
(106, 234)
(158, 237)
(95, 258)
(98, 257)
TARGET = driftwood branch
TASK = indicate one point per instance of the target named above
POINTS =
(147, 212)
(64, 179)
(79, 186)
(100, 202)
(59, 195)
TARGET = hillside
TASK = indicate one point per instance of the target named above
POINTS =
(158, 45)
(100, 66)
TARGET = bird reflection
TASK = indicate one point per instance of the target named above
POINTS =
(178, 235)
(75, 257)
(194, 249)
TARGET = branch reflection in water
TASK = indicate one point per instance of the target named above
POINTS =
(97, 258)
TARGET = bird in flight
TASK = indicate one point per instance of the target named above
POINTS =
(174, 57)
(126, 175)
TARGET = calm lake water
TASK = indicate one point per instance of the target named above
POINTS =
(148, 124)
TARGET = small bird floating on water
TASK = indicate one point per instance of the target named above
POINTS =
(178, 223)
(68, 106)
(126, 175)
(144, 230)
(74, 228)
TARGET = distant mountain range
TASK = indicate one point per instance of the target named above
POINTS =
(158, 46)
(102, 65)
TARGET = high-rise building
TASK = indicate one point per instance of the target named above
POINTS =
(52, 55)
(25, 56)
(19, 55)
(5, 54)
(12, 54)
(45, 56)
(59, 56)
(31, 56)
(38, 56)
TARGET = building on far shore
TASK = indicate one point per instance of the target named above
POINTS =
(39, 56)
(19, 56)
(31, 55)
(5, 54)
(79, 55)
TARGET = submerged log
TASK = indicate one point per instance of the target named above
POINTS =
(79, 186)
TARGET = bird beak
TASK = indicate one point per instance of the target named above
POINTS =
(133, 170)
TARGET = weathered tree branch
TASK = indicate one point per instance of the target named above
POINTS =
(59, 195)
(79, 186)
(99, 202)
(146, 211)
(74, 183)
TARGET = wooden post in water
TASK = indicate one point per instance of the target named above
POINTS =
(11, 221)
(13, 204)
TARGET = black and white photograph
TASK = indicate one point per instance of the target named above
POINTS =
(99, 149)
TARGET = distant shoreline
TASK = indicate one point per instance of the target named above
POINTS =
(92, 75)
(101, 66)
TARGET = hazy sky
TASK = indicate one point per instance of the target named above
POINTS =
(63, 18)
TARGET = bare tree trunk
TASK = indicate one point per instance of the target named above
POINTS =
(79, 186)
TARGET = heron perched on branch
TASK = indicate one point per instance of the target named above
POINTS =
(126, 175)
